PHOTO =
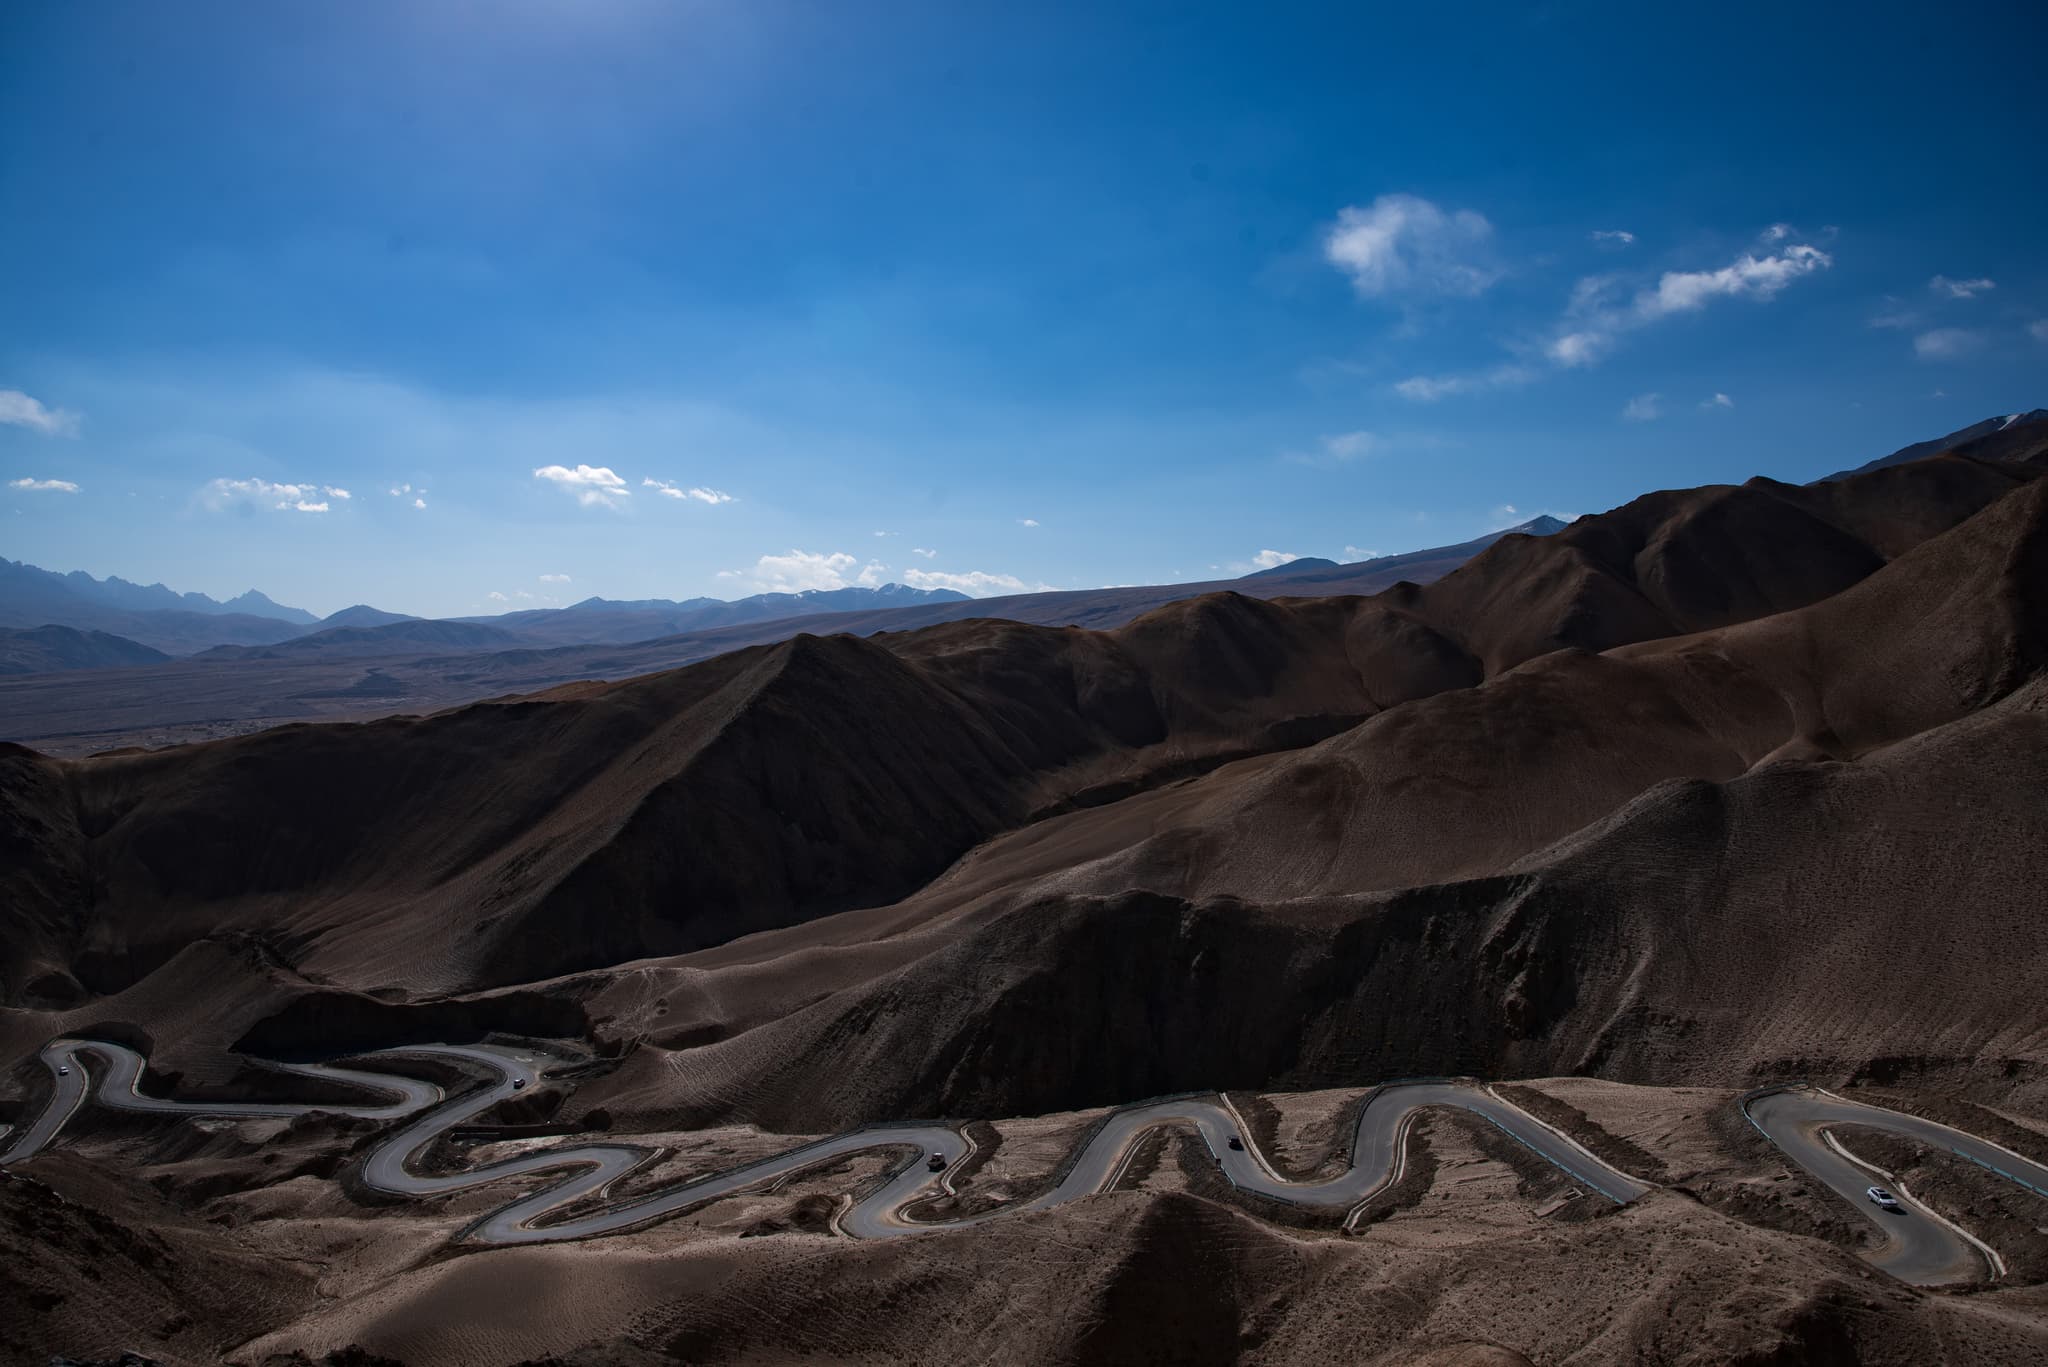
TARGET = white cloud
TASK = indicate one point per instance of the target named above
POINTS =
(1895, 315)
(1360, 553)
(1577, 348)
(801, 570)
(1403, 244)
(920, 550)
(419, 503)
(1027, 522)
(554, 579)
(1748, 276)
(332, 492)
(885, 533)
(1617, 235)
(2039, 329)
(1270, 560)
(497, 597)
(1717, 401)
(974, 583)
(1591, 325)
(1644, 408)
(44, 486)
(668, 490)
(262, 493)
(1961, 289)
(401, 491)
(19, 410)
(1777, 232)
(1946, 344)
(595, 486)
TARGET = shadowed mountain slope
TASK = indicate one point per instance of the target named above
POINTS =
(1535, 816)
(1694, 858)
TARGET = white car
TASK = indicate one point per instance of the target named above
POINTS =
(1883, 1199)
(63, 1070)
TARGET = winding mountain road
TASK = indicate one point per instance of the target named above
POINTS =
(1920, 1246)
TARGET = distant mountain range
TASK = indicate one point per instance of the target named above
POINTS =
(158, 620)
(27, 581)
(253, 627)
(151, 615)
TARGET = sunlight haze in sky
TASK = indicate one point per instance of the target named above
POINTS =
(451, 307)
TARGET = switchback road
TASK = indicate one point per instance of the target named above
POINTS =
(1919, 1246)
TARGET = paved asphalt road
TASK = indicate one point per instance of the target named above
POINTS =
(1919, 1246)
(122, 1071)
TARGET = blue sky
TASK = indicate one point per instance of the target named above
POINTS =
(1059, 295)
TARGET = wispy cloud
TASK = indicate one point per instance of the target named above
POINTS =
(1360, 553)
(1644, 408)
(44, 486)
(19, 410)
(1717, 401)
(1592, 327)
(595, 486)
(1946, 344)
(1601, 310)
(554, 579)
(1430, 388)
(920, 550)
(1961, 289)
(2038, 329)
(1349, 445)
(1404, 244)
(1619, 236)
(700, 495)
(1273, 560)
(1027, 522)
(1895, 314)
(1339, 448)
(224, 493)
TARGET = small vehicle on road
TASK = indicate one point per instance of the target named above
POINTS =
(517, 1083)
(63, 1070)
(1883, 1199)
(937, 1163)
(1237, 1143)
